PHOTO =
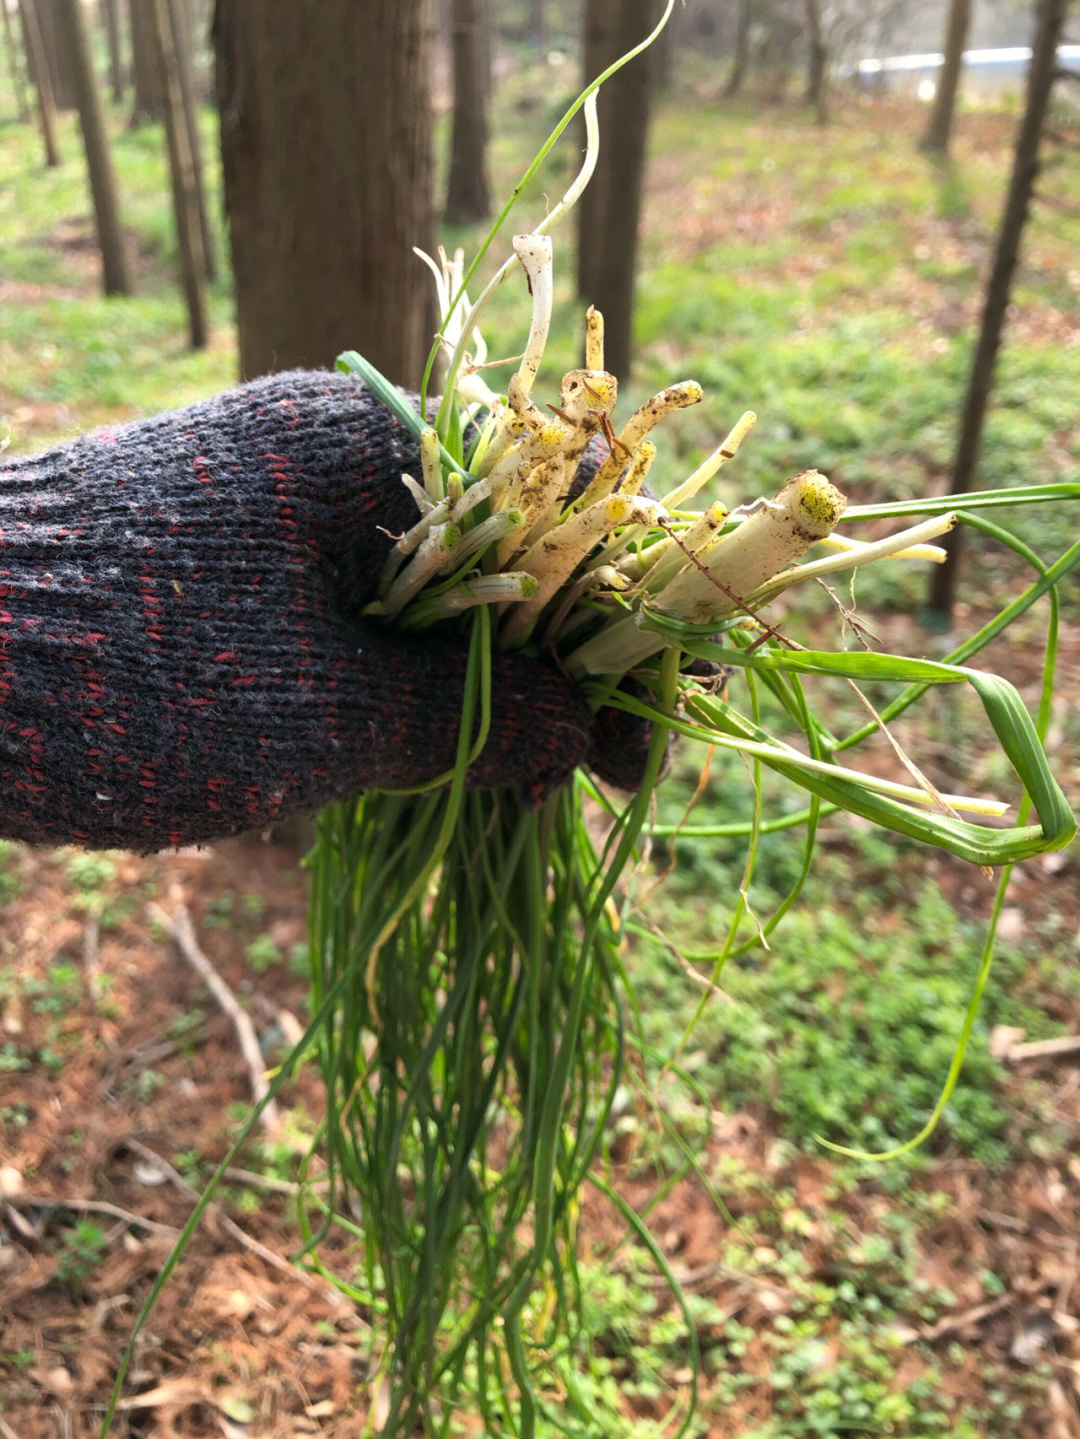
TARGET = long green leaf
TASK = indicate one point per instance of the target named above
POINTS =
(396, 402)
(1004, 708)
(974, 500)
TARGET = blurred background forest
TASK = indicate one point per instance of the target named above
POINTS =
(193, 193)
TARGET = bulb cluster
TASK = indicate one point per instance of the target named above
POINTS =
(579, 567)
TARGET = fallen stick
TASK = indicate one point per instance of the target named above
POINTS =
(1044, 1049)
(929, 1333)
(91, 1206)
(182, 931)
(313, 1280)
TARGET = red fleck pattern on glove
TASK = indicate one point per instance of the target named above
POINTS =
(181, 653)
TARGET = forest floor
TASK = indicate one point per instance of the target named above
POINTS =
(830, 1297)
(951, 1305)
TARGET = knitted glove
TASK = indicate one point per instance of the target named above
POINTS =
(181, 652)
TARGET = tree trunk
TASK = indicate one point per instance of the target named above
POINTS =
(326, 149)
(468, 194)
(609, 210)
(116, 274)
(183, 34)
(18, 79)
(1050, 17)
(816, 62)
(740, 59)
(39, 74)
(149, 101)
(938, 131)
(536, 25)
(184, 179)
(111, 16)
(57, 53)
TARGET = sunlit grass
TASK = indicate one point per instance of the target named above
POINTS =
(69, 357)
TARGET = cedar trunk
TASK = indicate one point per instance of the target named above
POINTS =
(938, 131)
(610, 208)
(1050, 18)
(468, 194)
(115, 270)
(326, 149)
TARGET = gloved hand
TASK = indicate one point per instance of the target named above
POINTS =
(181, 652)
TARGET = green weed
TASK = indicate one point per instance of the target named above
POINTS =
(82, 1251)
(91, 872)
(263, 953)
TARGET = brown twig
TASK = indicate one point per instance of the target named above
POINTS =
(272, 1184)
(930, 1333)
(1059, 1048)
(230, 1226)
(89, 1206)
(182, 931)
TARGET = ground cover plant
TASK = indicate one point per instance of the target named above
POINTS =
(832, 1339)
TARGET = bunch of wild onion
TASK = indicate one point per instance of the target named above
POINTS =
(465, 946)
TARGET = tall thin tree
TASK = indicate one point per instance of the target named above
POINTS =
(110, 14)
(184, 177)
(740, 50)
(18, 79)
(326, 141)
(468, 193)
(42, 80)
(115, 267)
(817, 57)
(1050, 16)
(149, 103)
(57, 53)
(610, 209)
(183, 33)
(939, 128)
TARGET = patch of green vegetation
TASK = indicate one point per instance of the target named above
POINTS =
(64, 344)
(847, 1026)
(219, 912)
(263, 953)
(17, 1358)
(59, 992)
(187, 1031)
(10, 882)
(91, 872)
(11, 1060)
(82, 1251)
(15, 1116)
